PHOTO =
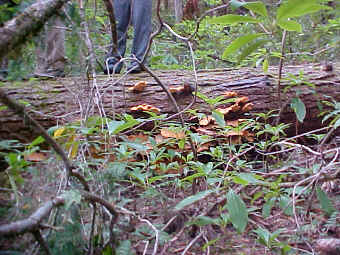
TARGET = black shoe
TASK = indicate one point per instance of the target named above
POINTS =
(134, 69)
(112, 65)
(49, 74)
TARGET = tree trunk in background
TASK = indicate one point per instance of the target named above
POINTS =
(178, 6)
(59, 101)
(31, 21)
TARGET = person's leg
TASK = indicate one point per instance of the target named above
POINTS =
(40, 53)
(141, 21)
(55, 43)
(122, 11)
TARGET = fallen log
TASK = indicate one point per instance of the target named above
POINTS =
(56, 102)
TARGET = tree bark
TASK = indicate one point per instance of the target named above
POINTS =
(31, 21)
(53, 102)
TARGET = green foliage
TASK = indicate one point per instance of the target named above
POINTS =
(326, 204)
(299, 108)
(237, 211)
(192, 199)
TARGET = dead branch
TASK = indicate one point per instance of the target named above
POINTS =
(32, 223)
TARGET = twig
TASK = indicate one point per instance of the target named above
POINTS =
(90, 251)
(41, 241)
(191, 243)
(166, 246)
(280, 67)
(32, 222)
(156, 234)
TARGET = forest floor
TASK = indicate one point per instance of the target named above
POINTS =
(287, 225)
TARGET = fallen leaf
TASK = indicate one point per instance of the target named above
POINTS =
(140, 136)
(249, 136)
(204, 147)
(247, 107)
(204, 131)
(206, 120)
(159, 139)
(167, 133)
(229, 94)
(58, 132)
(138, 87)
(225, 111)
(35, 157)
(234, 133)
(233, 123)
(241, 100)
(235, 107)
(145, 107)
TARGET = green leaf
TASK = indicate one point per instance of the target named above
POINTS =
(237, 211)
(124, 248)
(118, 126)
(36, 142)
(114, 125)
(285, 205)
(265, 65)
(290, 25)
(235, 4)
(3, 107)
(71, 196)
(232, 19)
(203, 221)
(251, 48)
(238, 43)
(192, 199)
(257, 7)
(299, 108)
(337, 124)
(263, 235)
(239, 180)
(267, 207)
(326, 204)
(297, 8)
(219, 118)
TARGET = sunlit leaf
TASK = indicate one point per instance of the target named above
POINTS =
(238, 43)
(290, 25)
(36, 141)
(257, 7)
(297, 8)
(192, 199)
(265, 65)
(251, 48)
(232, 19)
(58, 132)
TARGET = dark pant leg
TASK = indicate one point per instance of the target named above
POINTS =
(141, 21)
(122, 10)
